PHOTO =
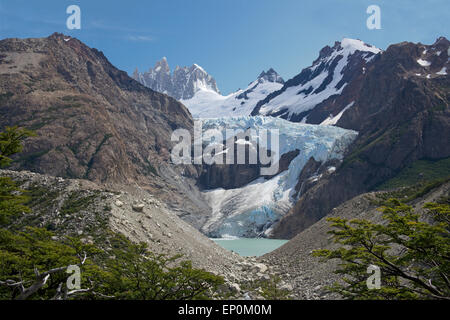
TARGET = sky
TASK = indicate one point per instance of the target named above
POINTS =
(233, 40)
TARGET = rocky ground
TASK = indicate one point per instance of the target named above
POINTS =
(82, 208)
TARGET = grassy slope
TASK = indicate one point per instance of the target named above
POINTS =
(419, 172)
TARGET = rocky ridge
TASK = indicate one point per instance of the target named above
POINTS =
(182, 84)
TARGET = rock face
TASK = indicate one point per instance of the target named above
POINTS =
(92, 120)
(314, 95)
(271, 76)
(238, 175)
(181, 85)
(402, 115)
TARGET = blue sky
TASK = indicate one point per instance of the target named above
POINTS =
(234, 40)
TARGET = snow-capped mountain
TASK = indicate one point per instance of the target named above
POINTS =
(251, 210)
(316, 87)
(182, 84)
(208, 103)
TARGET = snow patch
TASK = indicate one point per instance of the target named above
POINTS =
(443, 72)
(423, 63)
(331, 169)
(353, 44)
(331, 121)
(200, 68)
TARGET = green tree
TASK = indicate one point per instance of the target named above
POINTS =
(12, 199)
(33, 264)
(413, 254)
(133, 272)
(11, 143)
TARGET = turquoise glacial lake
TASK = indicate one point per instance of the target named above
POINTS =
(247, 247)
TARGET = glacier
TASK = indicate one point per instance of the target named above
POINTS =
(207, 103)
(250, 211)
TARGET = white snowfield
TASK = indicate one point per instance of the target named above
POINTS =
(251, 210)
(207, 103)
(297, 103)
(331, 121)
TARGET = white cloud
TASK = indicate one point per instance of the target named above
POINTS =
(140, 38)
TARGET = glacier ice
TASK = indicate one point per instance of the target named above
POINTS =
(251, 210)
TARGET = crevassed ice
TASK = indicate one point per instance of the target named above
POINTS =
(251, 210)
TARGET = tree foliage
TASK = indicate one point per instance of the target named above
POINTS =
(136, 273)
(11, 143)
(413, 254)
(128, 271)
(12, 199)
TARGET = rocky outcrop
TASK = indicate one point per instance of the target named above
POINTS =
(402, 115)
(232, 176)
(82, 208)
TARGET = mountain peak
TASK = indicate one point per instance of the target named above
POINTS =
(182, 84)
(57, 35)
(334, 69)
(441, 40)
(197, 67)
(356, 44)
(271, 76)
(162, 66)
